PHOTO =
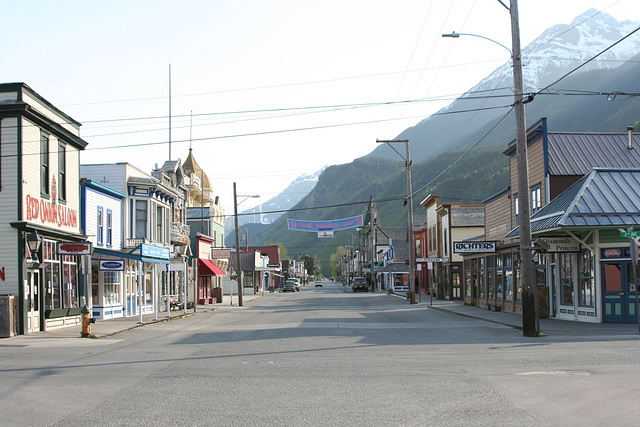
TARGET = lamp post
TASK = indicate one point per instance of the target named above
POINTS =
(235, 213)
(409, 201)
(527, 272)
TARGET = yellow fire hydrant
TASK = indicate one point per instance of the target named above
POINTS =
(86, 322)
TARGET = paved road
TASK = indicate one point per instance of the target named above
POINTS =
(321, 357)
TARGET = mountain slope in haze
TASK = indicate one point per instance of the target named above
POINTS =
(554, 53)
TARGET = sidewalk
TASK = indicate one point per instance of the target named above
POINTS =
(547, 326)
(105, 328)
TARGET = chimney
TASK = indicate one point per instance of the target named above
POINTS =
(630, 133)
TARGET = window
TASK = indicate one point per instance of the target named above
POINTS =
(586, 287)
(44, 165)
(140, 219)
(418, 248)
(515, 205)
(109, 227)
(62, 171)
(567, 273)
(508, 278)
(444, 243)
(100, 227)
(536, 201)
(158, 236)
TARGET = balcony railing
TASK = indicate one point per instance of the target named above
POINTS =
(179, 233)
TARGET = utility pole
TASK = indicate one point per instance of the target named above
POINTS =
(238, 269)
(409, 200)
(526, 254)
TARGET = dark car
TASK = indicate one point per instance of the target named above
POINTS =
(359, 283)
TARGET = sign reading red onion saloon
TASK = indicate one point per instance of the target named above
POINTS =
(46, 212)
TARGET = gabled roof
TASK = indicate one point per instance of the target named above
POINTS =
(605, 197)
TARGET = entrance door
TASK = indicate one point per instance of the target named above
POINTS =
(32, 301)
(617, 293)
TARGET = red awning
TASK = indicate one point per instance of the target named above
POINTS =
(209, 268)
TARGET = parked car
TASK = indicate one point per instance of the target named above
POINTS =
(296, 282)
(288, 286)
(319, 284)
(359, 283)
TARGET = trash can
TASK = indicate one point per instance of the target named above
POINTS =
(8, 316)
(217, 294)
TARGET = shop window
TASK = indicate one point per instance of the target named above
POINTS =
(517, 281)
(445, 245)
(467, 278)
(499, 279)
(567, 274)
(62, 171)
(586, 287)
(53, 298)
(44, 165)
(491, 278)
(70, 282)
(481, 279)
(508, 278)
(112, 287)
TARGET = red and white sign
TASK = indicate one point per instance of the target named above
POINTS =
(74, 248)
(46, 212)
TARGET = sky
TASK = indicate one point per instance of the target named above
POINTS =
(263, 91)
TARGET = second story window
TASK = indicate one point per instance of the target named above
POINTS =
(536, 201)
(109, 227)
(100, 227)
(140, 225)
(158, 236)
(62, 171)
(44, 165)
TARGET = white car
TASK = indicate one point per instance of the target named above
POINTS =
(319, 284)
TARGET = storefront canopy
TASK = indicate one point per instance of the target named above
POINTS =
(210, 268)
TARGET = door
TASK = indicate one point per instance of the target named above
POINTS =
(32, 301)
(618, 294)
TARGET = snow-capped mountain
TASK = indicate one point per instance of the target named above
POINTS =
(552, 55)
(562, 48)
(272, 209)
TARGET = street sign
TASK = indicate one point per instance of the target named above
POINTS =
(627, 234)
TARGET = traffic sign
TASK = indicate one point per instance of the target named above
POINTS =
(627, 234)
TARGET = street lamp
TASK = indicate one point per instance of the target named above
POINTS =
(409, 201)
(34, 241)
(235, 213)
(455, 35)
(527, 271)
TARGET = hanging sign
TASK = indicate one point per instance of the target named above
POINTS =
(74, 248)
(325, 234)
(111, 265)
(330, 225)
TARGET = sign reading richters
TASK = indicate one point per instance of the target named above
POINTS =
(473, 247)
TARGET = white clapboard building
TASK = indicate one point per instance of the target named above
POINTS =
(42, 247)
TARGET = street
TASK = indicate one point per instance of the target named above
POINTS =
(321, 357)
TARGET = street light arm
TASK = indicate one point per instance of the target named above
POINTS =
(457, 35)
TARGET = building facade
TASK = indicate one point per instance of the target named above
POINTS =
(39, 173)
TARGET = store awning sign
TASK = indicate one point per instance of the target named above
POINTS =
(473, 247)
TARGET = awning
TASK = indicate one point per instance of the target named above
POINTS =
(209, 268)
(131, 256)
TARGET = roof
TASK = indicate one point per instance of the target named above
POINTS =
(605, 197)
(578, 153)
(191, 166)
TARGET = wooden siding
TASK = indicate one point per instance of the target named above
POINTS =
(9, 212)
(31, 174)
(95, 198)
(498, 217)
(50, 113)
(112, 175)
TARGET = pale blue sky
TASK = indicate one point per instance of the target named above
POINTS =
(99, 61)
